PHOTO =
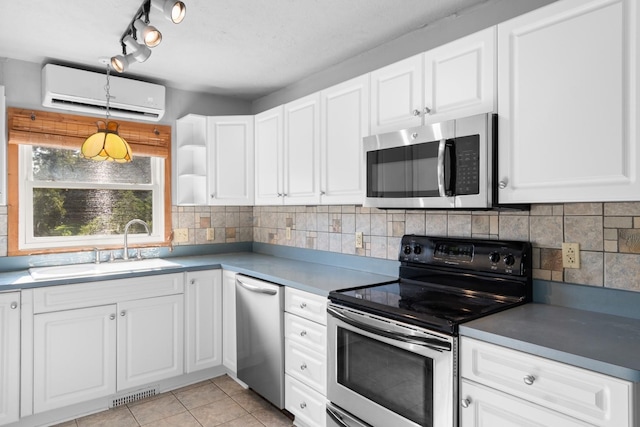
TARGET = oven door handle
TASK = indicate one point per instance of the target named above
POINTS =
(432, 343)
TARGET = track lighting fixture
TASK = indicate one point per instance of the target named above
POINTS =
(173, 10)
(140, 35)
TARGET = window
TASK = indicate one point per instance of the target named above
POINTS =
(66, 202)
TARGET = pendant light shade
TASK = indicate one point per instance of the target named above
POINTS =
(106, 144)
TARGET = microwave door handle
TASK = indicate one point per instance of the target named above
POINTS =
(431, 343)
(441, 155)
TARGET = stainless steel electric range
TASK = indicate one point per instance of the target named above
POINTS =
(392, 347)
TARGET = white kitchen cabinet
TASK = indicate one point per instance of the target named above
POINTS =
(150, 340)
(567, 103)
(488, 407)
(301, 151)
(92, 340)
(3, 150)
(269, 140)
(396, 95)
(305, 357)
(229, 353)
(539, 388)
(214, 160)
(454, 80)
(203, 313)
(191, 167)
(9, 356)
(460, 77)
(74, 356)
(287, 153)
(231, 165)
(344, 119)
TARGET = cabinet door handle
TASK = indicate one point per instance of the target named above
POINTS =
(213, 195)
(503, 184)
(112, 317)
(529, 379)
(465, 402)
(303, 366)
(303, 333)
(14, 305)
(303, 305)
(416, 112)
(192, 281)
(427, 110)
(123, 313)
(303, 405)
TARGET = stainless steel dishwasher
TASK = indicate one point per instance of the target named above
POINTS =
(260, 337)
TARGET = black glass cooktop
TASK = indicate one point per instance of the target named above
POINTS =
(427, 305)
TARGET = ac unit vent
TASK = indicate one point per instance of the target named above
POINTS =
(83, 91)
(134, 396)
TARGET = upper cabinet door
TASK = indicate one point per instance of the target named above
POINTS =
(459, 78)
(301, 141)
(191, 167)
(231, 153)
(396, 96)
(567, 100)
(268, 148)
(344, 122)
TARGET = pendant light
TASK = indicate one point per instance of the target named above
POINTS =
(106, 144)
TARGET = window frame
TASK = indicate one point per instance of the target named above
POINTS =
(29, 127)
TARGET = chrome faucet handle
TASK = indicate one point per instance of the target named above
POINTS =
(112, 257)
(96, 253)
(138, 254)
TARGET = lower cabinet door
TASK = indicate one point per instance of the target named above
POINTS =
(150, 340)
(9, 354)
(74, 356)
(485, 407)
(306, 404)
(229, 357)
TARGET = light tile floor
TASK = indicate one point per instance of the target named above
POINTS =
(217, 402)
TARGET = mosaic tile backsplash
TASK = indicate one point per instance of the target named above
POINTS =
(608, 233)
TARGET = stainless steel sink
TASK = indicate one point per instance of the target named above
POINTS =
(90, 269)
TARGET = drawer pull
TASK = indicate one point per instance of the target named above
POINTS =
(303, 333)
(303, 405)
(303, 305)
(465, 402)
(529, 379)
(303, 366)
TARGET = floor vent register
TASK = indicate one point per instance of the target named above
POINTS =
(133, 396)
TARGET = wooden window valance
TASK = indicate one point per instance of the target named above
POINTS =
(32, 127)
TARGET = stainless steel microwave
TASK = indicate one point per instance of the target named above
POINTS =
(443, 165)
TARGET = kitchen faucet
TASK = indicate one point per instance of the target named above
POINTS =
(125, 254)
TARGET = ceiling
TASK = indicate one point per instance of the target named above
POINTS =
(243, 48)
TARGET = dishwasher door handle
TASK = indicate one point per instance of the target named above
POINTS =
(257, 289)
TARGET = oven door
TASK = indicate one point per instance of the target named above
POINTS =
(390, 373)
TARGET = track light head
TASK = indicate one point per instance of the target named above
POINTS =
(173, 10)
(150, 34)
(120, 63)
(139, 52)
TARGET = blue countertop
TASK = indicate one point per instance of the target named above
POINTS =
(596, 341)
(316, 278)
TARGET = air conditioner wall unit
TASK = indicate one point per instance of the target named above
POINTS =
(84, 91)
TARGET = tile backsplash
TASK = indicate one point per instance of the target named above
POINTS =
(608, 233)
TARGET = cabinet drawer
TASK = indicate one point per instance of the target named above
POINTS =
(583, 394)
(306, 404)
(65, 297)
(489, 407)
(310, 334)
(305, 304)
(306, 365)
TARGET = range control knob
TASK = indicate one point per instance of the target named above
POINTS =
(407, 249)
(509, 260)
(417, 249)
(494, 257)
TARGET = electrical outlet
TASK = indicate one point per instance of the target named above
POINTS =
(359, 238)
(211, 235)
(181, 235)
(287, 233)
(571, 255)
